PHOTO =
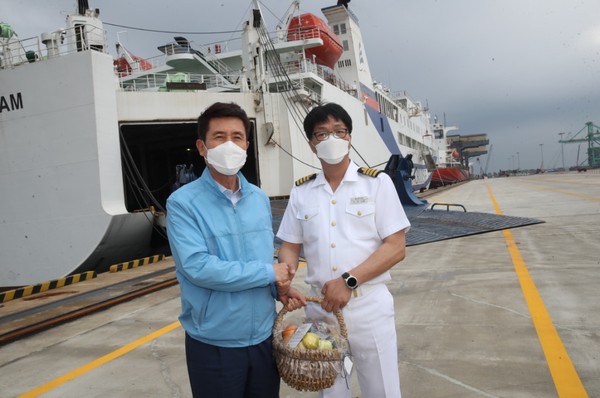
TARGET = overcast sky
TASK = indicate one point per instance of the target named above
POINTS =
(520, 71)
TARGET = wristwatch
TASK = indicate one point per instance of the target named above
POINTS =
(350, 280)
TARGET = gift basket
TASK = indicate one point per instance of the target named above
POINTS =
(309, 355)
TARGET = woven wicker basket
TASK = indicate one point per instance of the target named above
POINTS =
(307, 370)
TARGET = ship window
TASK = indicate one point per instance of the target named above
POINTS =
(336, 29)
(343, 28)
(80, 37)
(346, 46)
(347, 62)
(438, 133)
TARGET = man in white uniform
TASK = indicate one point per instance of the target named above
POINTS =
(352, 226)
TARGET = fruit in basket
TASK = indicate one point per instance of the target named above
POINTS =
(325, 344)
(310, 341)
(288, 332)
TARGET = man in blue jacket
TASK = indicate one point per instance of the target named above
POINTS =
(221, 237)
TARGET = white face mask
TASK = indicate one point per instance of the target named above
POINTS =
(332, 150)
(227, 158)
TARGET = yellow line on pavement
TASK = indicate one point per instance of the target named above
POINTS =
(99, 362)
(565, 377)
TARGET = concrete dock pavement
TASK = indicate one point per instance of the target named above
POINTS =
(511, 313)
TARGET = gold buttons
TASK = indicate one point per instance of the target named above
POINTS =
(333, 245)
(306, 216)
(334, 268)
(359, 213)
(333, 201)
(333, 223)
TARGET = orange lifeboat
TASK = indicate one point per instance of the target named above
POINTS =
(124, 68)
(309, 26)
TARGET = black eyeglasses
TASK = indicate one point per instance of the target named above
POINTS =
(323, 135)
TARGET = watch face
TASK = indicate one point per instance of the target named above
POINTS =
(351, 282)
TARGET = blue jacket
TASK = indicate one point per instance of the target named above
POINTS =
(224, 261)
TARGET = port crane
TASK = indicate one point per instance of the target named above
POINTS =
(590, 134)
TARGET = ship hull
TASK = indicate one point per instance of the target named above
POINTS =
(448, 175)
(62, 197)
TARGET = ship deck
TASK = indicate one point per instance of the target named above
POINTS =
(510, 313)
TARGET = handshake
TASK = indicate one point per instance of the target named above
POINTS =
(290, 297)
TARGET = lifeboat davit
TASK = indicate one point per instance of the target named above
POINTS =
(309, 26)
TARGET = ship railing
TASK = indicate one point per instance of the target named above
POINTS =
(285, 85)
(303, 34)
(179, 81)
(141, 65)
(293, 68)
(208, 56)
(219, 65)
(299, 70)
(17, 52)
(404, 100)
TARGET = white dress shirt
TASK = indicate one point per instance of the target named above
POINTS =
(340, 230)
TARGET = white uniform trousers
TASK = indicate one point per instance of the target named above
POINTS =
(369, 317)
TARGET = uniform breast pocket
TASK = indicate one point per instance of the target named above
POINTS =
(361, 220)
(308, 217)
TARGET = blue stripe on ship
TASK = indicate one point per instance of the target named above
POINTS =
(379, 120)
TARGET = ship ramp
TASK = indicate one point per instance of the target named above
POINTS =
(436, 222)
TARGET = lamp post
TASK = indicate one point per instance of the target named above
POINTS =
(518, 162)
(542, 151)
(562, 150)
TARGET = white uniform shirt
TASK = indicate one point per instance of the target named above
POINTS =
(340, 230)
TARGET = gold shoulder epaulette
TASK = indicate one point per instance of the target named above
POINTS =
(305, 178)
(369, 172)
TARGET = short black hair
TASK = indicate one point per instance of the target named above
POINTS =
(222, 109)
(321, 113)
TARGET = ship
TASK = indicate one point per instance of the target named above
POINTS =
(449, 170)
(92, 144)
(455, 152)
